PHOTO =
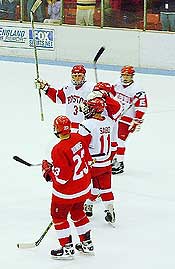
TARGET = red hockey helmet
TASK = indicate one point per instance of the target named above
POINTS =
(104, 87)
(62, 125)
(127, 73)
(78, 75)
(78, 69)
(94, 106)
(127, 70)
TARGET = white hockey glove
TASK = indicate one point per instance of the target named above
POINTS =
(135, 125)
(41, 85)
(83, 107)
(95, 94)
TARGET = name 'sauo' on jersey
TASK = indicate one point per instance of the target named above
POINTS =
(103, 133)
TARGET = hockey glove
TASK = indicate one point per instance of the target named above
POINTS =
(135, 125)
(46, 169)
(41, 85)
(95, 94)
(83, 108)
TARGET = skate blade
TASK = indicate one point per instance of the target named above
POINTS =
(87, 253)
(112, 224)
(62, 257)
(117, 172)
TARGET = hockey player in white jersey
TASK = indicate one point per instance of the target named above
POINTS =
(104, 90)
(100, 134)
(134, 102)
(71, 94)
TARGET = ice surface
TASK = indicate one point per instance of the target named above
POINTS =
(145, 194)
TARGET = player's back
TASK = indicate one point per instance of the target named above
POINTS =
(70, 159)
(102, 135)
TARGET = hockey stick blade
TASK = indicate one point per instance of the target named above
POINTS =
(26, 245)
(36, 5)
(99, 53)
(35, 244)
(18, 159)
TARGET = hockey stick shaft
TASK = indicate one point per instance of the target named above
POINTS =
(132, 104)
(18, 159)
(97, 56)
(36, 5)
(34, 8)
(36, 243)
(98, 155)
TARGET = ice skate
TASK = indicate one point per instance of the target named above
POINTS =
(64, 253)
(85, 247)
(88, 210)
(117, 167)
(110, 215)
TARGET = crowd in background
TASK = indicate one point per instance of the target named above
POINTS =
(104, 13)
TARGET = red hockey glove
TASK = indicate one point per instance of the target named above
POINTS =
(135, 125)
(46, 169)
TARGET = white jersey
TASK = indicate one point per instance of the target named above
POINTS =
(126, 95)
(71, 97)
(102, 136)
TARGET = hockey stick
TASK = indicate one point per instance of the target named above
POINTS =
(132, 104)
(18, 159)
(98, 155)
(36, 243)
(97, 56)
(33, 9)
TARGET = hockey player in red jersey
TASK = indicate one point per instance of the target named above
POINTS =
(134, 102)
(71, 181)
(71, 94)
(100, 134)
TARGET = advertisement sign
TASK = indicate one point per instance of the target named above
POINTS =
(44, 38)
(18, 37)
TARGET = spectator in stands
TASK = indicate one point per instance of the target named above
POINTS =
(85, 12)
(8, 9)
(167, 15)
(11, 9)
(39, 11)
(54, 11)
(3, 12)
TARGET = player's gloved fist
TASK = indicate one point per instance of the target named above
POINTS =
(95, 94)
(41, 84)
(46, 169)
(83, 107)
(135, 125)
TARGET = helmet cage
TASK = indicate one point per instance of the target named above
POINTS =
(78, 71)
(127, 73)
(94, 106)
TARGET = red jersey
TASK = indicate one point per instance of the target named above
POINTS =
(71, 173)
